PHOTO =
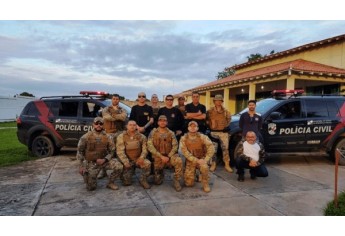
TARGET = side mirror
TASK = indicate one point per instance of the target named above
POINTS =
(275, 115)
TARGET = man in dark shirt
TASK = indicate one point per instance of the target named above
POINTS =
(196, 112)
(174, 116)
(142, 114)
(251, 121)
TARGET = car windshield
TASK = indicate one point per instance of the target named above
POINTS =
(107, 102)
(264, 105)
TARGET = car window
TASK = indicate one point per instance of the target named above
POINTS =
(68, 108)
(90, 109)
(316, 108)
(291, 110)
(332, 108)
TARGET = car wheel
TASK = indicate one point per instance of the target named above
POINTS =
(42, 146)
(341, 147)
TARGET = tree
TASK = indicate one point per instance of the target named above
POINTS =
(225, 73)
(26, 94)
(253, 57)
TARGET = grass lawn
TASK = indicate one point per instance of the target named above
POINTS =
(11, 150)
(340, 211)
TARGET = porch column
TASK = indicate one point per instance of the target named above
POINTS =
(226, 98)
(252, 91)
(207, 99)
(290, 83)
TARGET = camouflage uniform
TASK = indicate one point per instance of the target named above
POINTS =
(129, 150)
(165, 144)
(114, 119)
(97, 145)
(194, 148)
(218, 123)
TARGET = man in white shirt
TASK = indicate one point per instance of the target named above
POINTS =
(251, 155)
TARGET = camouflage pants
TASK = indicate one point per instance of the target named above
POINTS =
(127, 174)
(90, 177)
(190, 171)
(224, 144)
(175, 162)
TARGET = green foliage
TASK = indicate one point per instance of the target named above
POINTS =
(225, 73)
(26, 94)
(253, 57)
(330, 210)
(11, 150)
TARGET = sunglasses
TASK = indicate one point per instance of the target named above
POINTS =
(141, 96)
(98, 123)
(169, 99)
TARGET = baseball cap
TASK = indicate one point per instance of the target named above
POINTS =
(162, 117)
(218, 97)
(98, 119)
(192, 122)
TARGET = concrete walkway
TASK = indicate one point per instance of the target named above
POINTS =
(52, 186)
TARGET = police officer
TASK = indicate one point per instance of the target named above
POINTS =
(131, 150)
(218, 119)
(114, 118)
(96, 150)
(198, 150)
(195, 111)
(162, 144)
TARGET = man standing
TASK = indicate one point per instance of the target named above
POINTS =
(181, 106)
(251, 155)
(174, 116)
(131, 150)
(198, 150)
(114, 116)
(155, 107)
(96, 151)
(218, 119)
(251, 121)
(196, 112)
(142, 114)
(162, 144)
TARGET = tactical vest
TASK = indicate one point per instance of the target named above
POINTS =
(113, 126)
(96, 147)
(162, 142)
(217, 120)
(196, 146)
(132, 146)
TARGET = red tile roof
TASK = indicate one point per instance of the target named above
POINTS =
(305, 47)
(300, 65)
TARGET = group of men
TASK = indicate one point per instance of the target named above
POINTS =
(156, 138)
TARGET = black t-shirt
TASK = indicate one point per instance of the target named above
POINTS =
(141, 114)
(174, 116)
(248, 123)
(191, 108)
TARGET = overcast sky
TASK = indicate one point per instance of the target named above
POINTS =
(63, 57)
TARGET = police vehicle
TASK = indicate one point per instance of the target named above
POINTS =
(48, 124)
(296, 124)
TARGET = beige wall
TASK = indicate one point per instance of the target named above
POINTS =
(333, 55)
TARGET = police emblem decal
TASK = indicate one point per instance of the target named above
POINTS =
(272, 127)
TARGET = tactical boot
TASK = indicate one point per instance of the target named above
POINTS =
(102, 174)
(112, 186)
(213, 166)
(177, 185)
(228, 168)
(144, 183)
(206, 187)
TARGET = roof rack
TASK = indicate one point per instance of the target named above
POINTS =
(84, 94)
(279, 93)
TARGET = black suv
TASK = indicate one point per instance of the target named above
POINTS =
(298, 125)
(48, 124)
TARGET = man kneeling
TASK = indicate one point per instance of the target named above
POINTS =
(251, 155)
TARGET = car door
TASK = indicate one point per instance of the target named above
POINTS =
(286, 131)
(65, 120)
(322, 117)
(88, 110)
